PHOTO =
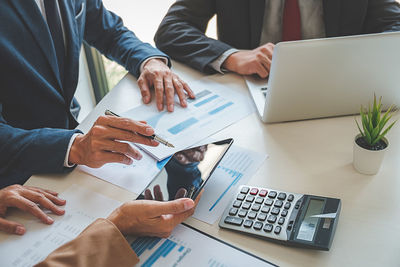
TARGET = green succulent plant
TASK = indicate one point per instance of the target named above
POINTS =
(373, 122)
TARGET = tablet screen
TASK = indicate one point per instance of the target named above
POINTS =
(186, 172)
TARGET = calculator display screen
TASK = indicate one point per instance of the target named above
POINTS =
(309, 224)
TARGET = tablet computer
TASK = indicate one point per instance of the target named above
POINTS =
(186, 172)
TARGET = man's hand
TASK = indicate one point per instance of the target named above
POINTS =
(157, 75)
(248, 62)
(27, 198)
(102, 144)
(152, 218)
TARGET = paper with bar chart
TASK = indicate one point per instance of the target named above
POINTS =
(82, 208)
(236, 168)
(216, 106)
(188, 247)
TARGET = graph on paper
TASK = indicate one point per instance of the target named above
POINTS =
(211, 111)
(236, 168)
(188, 247)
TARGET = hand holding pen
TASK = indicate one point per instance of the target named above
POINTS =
(103, 143)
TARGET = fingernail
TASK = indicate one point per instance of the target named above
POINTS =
(138, 157)
(189, 204)
(50, 220)
(146, 99)
(20, 230)
(128, 161)
(160, 107)
(149, 130)
(171, 107)
(184, 102)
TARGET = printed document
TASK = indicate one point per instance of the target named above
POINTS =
(83, 207)
(215, 107)
(235, 169)
(188, 247)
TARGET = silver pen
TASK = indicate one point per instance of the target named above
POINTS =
(153, 137)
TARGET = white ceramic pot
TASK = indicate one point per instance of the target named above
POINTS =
(368, 161)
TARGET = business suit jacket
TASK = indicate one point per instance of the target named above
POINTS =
(36, 123)
(239, 25)
(100, 244)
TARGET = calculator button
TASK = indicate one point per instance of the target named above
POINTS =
(248, 223)
(275, 211)
(278, 203)
(242, 213)
(284, 213)
(233, 220)
(282, 196)
(268, 227)
(244, 190)
(290, 198)
(254, 191)
(246, 205)
(259, 200)
(272, 194)
(258, 225)
(252, 215)
(271, 218)
(277, 229)
(256, 207)
(287, 205)
(250, 198)
(269, 202)
(281, 220)
(263, 193)
(265, 209)
(241, 197)
(233, 211)
(262, 216)
(237, 203)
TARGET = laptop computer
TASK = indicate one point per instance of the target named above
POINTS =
(328, 77)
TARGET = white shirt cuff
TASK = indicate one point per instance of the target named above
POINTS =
(147, 59)
(71, 141)
(217, 64)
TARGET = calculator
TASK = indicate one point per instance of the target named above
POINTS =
(293, 219)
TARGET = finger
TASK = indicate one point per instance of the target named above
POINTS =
(261, 71)
(54, 193)
(158, 195)
(148, 195)
(11, 227)
(187, 89)
(169, 93)
(117, 134)
(267, 65)
(113, 157)
(53, 197)
(29, 206)
(41, 199)
(125, 124)
(144, 89)
(171, 207)
(159, 88)
(175, 219)
(179, 91)
(122, 148)
(180, 193)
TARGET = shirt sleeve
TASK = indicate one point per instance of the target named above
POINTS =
(217, 64)
(71, 141)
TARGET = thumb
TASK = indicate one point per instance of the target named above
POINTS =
(11, 227)
(172, 207)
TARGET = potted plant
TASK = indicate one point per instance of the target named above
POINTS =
(370, 144)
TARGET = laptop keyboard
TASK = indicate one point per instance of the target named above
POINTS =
(264, 91)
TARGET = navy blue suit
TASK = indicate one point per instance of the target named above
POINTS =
(36, 122)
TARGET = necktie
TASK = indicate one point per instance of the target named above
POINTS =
(54, 24)
(291, 28)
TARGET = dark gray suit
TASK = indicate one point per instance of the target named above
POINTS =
(239, 24)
